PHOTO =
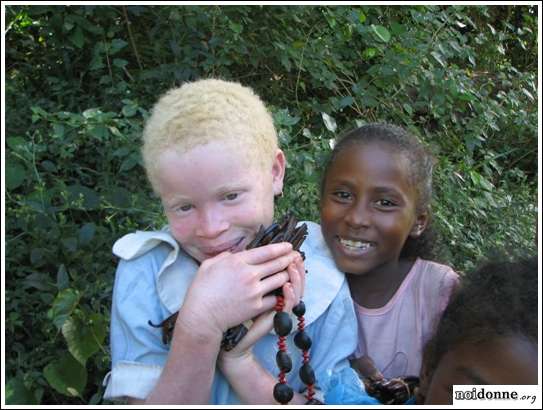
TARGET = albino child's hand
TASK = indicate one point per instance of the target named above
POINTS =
(232, 288)
(262, 325)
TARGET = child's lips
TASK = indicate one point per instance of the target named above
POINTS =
(230, 246)
(354, 246)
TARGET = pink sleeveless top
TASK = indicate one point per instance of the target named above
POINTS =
(394, 335)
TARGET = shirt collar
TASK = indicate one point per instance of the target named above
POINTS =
(323, 279)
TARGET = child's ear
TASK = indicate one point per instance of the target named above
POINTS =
(420, 224)
(278, 172)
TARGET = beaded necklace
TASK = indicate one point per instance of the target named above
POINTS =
(285, 231)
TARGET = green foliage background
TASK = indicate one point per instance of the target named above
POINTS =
(81, 79)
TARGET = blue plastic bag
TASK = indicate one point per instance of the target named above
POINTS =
(346, 387)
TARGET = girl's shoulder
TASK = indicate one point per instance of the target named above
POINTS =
(430, 270)
(436, 281)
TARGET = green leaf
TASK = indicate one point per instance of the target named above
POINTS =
(346, 101)
(369, 53)
(129, 162)
(96, 63)
(439, 58)
(99, 131)
(39, 281)
(235, 27)
(84, 339)
(329, 122)
(91, 113)
(492, 29)
(528, 94)
(117, 45)
(129, 111)
(70, 243)
(361, 17)
(63, 280)
(77, 38)
(286, 62)
(66, 375)
(68, 25)
(36, 256)
(77, 193)
(63, 305)
(15, 175)
(17, 393)
(397, 29)
(309, 168)
(15, 142)
(119, 197)
(408, 108)
(86, 233)
(119, 62)
(58, 130)
(49, 166)
(381, 32)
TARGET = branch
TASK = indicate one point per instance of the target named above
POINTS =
(132, 42)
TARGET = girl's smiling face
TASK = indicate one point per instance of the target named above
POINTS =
(368, 207)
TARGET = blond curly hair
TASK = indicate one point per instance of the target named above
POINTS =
(209, 110)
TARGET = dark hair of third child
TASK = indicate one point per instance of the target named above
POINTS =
(421, 166)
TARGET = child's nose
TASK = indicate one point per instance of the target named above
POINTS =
(211, 223)
(357, 216)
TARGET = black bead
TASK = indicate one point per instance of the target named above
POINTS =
(282, 393)
(302, 340)
(299, 309)
(307, 375)
(284, 363)
(282, 323)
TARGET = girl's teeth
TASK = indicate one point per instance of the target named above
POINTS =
(354, 244)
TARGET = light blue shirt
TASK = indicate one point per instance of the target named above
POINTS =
(150, 284)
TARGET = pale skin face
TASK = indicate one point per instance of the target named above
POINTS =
(509, 360)
(214, 199)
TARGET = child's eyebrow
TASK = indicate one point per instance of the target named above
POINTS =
(388, 191)
(231, 187)
(471, 374)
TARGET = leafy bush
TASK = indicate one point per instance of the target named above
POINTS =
(79, 82)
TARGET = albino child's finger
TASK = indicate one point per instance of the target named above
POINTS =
(296, 281)
(273, 282)
(301, 269)
(289, 297)
(276, 265)
(261, 326)
(266, 253)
